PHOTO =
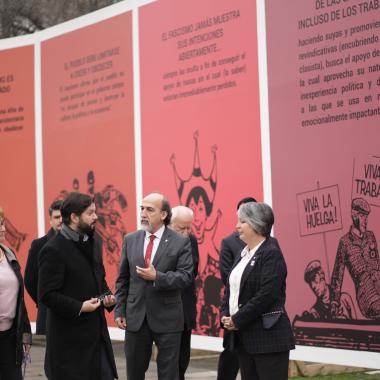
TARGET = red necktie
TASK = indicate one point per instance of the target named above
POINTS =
(149, 249)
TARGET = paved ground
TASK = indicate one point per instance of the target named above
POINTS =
(201, 367)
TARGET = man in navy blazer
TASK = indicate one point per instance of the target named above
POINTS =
(231, 246)
(156, 265)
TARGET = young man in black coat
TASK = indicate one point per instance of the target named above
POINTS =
(31, 269)
(71, 282)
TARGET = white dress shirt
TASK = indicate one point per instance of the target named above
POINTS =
(156, 241)
(247, 256)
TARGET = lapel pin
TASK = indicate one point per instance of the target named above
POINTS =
(166, 240)
(252, 263)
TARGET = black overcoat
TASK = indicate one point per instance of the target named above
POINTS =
(67, 278)
(31, 279)
(23, 330)
(189, 297)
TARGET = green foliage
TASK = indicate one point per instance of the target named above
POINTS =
(343, 376)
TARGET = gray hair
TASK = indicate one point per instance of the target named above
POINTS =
(258, 215)
(179, 211)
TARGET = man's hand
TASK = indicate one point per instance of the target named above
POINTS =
(90, 305)
(121, 322)
(148, 274)
(228, 323)
(109, 300)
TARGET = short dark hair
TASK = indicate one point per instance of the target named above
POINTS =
(311, 271)
(75, 203)
(166, 207)
(197, 193)
(245, 200)
(56, 205)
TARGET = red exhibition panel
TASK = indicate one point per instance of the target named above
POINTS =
(201, 122)
(17, 152)
(323, 71)
(88, 126)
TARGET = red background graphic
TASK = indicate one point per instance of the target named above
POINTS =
(322, 154)
(95, 61)
(225, 118)
(17, 153)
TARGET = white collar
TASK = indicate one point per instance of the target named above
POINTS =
(158, 234)
(250, 252)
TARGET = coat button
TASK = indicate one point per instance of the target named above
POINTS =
(240, 305)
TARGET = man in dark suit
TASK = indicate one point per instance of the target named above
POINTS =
(182, 218)
(72, 286)
(156, 264)
(231, 246)
(31, 269)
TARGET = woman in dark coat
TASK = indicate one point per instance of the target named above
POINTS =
(254, 303)
(15, 332)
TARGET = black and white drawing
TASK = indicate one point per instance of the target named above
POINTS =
(197, 191)
(111, 204)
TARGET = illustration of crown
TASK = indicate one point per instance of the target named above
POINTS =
(196, 178)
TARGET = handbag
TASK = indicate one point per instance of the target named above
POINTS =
(270, 319)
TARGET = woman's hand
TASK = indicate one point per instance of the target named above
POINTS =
(228, 323)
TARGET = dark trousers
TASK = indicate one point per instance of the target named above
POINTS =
(228, 365)
(8, 368)
(41, 319)
(105, 364)
(184, 353)
(138, 351)
(273, 366)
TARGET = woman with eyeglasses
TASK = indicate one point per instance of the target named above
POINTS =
(15, 332)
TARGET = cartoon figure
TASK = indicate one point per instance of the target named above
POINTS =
(110, 204)
(13, 236)
(315, 277)
(198, 192)
(358, 252)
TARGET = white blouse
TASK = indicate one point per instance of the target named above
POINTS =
(247, 256)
